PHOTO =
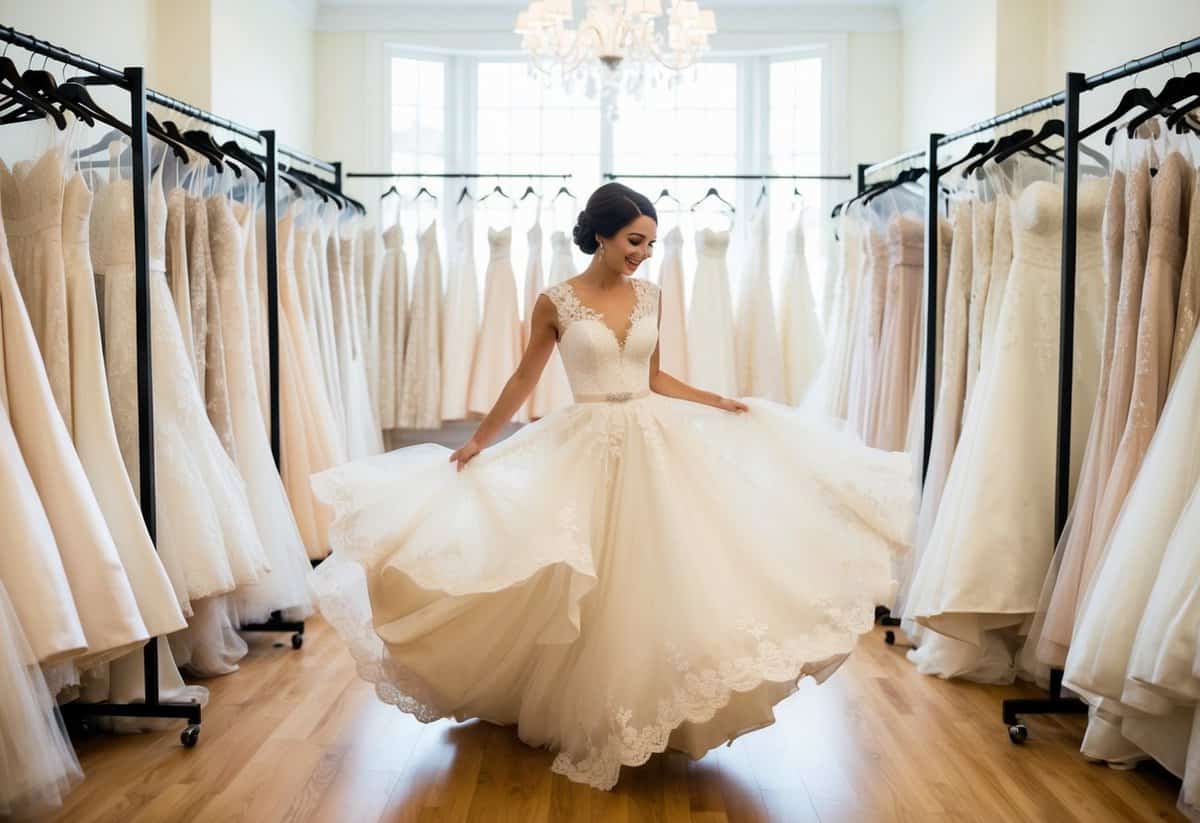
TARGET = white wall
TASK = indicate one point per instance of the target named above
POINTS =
(264, 66)
(873, 97)
(948, 65)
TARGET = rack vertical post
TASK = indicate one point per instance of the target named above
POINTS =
(1011, 710)
(932, 230)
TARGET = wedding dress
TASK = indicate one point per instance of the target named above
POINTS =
(196, 235)
(899, 335)
(363, 434)
(799, 329)
(1189, 283)
(460, 324)
(374, 263)
(992, 538)
(498, 350)
(630, 573)
(537, 405)
(393, 319)
(283, 586)
(983, 227)
(177, 268)
(756, 339)
(833, 381)
(94, 432)
(99, 585)
(868, 320)
(562, 267)
(672, 345)
(37, 764)
(420, 395)
(710, 332)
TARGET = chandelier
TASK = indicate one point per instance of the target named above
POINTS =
(619, 44)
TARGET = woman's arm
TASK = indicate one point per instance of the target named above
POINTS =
(665, 384)
(520, 385)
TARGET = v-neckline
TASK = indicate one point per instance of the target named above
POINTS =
(599, 316)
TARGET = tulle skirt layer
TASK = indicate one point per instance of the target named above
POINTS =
(617, 577)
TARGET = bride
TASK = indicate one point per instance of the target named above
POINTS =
(653, 566)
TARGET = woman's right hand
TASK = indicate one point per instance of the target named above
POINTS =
(465, 452)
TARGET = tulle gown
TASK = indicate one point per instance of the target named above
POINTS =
(537, 406)
(37, 764)
(756, 341)
(459, 332)
(672, 353)
(833, 380)
(868, 322)
(799, 330)
(712, 363)
(498, 350)
(630, 573)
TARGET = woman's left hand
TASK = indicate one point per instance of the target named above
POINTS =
(731, 405)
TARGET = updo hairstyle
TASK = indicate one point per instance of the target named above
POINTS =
(611, 208)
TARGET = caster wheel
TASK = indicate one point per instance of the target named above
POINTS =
(297, 641)
(1018, 734)
(889, 637)
(190, 736)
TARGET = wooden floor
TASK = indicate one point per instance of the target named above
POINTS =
(295, 736)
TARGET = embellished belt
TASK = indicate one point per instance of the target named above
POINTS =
(611, 397)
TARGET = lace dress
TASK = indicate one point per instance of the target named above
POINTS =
(626, 574)
(393, 320)
(562, 267)
(459, 334)
(799, 330)
(420, 394)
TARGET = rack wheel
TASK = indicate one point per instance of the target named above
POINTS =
(1018, 734)
(190, 736)
(297, 641)
(889, 637)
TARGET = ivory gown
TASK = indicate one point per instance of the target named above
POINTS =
(899, 335)
(562, 267)
(459, 326)
(799, 330)
(498, 349)
(583, 530)
(983, 228)
(393, 316)
(710, 330)
(833, 380)
(672, 353)
(868, 325)
(756, 337)
(537, 405)
(420, 395)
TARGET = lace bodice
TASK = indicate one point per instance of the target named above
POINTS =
(499, 242)
(597, 362)
(712, 243)
(1037, 223)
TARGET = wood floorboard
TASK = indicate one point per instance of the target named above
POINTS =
(295, 736)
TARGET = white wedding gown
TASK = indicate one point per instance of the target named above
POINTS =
(712, 364)
(630, 573)
(756, 341)
(460, 317)
(672, 347)
(498, 350)
(799, 329)
(420, 395)
(562, 267)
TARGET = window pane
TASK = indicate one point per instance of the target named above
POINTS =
(418, 138)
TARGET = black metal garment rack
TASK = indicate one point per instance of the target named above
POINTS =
(1076, 85)
(132, 80)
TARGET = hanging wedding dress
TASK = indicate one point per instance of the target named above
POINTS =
(460, 324)
(37, 764)
(317, 267)
(615, 518)
(832, 384)
(177, 268)
(756, 340)
(498, 350)
(992, 538)
(712, 365)
(420, 397)
(537, 406)
(948, 406)
(216, 383)
(374, 261)
(868, 321)
(394, 325)
(206, 535)
(196, 232)
(899, 334)
(562, 267)
(283, 587)
(983, 228)
(802, 342)
(672, 345)
(100, 587)
(363, 434)
(246, 217)
(93, 430)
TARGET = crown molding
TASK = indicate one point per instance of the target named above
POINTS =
(751, 19)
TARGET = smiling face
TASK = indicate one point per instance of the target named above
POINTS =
(631, 246)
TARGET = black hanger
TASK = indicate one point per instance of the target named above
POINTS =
(999, 147)
(712, 192)
(392, 190)
(31, 106)
(564, 190)
(203, 142)
(975, 151)
(528, 191)
(465, 194)
(666, 194)
(907, 176)
(1175, 90)
(233, 149)
(214, 154)
(44, 86)
(495, 190)
(426, 192)
(1132, 99)
(762, 193)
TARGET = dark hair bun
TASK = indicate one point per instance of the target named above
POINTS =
(611, 208)
(584, 234)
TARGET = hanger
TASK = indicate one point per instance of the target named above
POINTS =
(762, 194)
(528, 191)
(1132, 99)
(392, 190)
(665, 194)
(999, 147)
(234, 149)
(426, 192)
(495, 190)
(564, 190)
(907, 176)
(712, 192)
(465, 194)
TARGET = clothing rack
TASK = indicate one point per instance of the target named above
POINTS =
(615, 175)
(458, 175)
(1076, 85)
(132, 80)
